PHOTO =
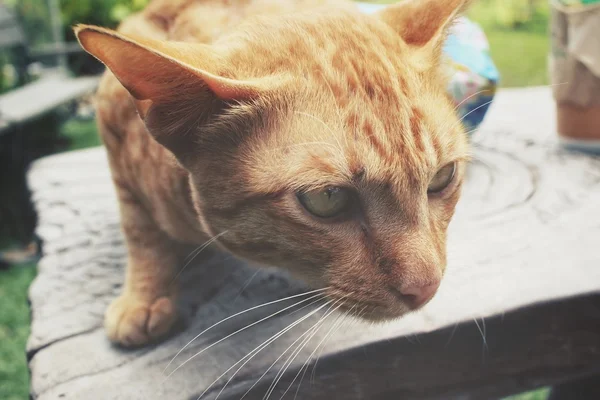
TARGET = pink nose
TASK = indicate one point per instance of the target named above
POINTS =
(416, 296)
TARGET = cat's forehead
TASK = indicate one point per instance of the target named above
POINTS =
(312, 43)
(363, 109)
(319, 144)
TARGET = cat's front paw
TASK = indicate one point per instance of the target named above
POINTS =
(130, 322)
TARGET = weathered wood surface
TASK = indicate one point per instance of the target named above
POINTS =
(524, 261)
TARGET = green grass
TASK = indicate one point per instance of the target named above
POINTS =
(540, 394)
(520, 52)
(82, 134)
(14, 329)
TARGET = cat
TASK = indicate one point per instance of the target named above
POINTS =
(299, 134)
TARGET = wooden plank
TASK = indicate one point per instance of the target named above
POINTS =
(42, 96)
(522, 262)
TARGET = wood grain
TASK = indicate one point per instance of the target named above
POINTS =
(523, 263)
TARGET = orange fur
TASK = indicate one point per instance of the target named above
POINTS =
(238, 105)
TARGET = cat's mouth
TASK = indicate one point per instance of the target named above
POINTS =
(370, 310)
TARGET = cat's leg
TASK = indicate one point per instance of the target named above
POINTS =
(146, 310)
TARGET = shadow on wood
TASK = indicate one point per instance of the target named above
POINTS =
(524, 349)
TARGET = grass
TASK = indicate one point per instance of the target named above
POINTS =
(519, 52)
(14, 329)
(540, 394)
(81, 133)
(520, 55)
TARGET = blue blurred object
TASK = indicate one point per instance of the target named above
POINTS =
(474, 77)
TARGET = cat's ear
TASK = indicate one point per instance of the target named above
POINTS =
(424, 24)
(172, 83)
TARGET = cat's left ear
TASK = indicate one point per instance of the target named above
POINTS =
(424, 24)
(176, 87)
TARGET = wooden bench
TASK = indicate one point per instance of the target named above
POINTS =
(518, 309)
(31, 100)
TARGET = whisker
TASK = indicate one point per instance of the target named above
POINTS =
(337, 109)
(470, 112)
(238, 331)
(238, 314)
(332, 97)
(337, 326)
(471, 131)
(333, 135)
(304, 144)
(306, 363)
(246, 285)
(278, 358)
(258, 349)
(451, 335)
(192, 253)
(482, 332)
(195, 254)
(470, 97)
(313, 330)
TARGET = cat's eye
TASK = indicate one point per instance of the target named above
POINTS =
(326, 203)
(442, 178)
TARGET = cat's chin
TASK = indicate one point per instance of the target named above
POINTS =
(374, 313)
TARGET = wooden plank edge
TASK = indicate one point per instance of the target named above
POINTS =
(532, 347)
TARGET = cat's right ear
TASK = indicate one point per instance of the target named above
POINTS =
(175, 85)
(424, 24)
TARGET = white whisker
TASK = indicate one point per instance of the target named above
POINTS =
(470, 97)
(245, 285)
(333, 135)
(314, 329)
(337, 109)
(451, 335)
(337, 326)
(238, 314)
(196, 252)
(472, 131)
(309, 334)
(305, 144)
(278, 358)
(306, 363)
(238, 331)
(482, 332)
(258, 349)
(470, 112)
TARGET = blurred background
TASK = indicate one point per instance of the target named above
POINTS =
(517, 31)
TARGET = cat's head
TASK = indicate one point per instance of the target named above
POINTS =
(322, 142)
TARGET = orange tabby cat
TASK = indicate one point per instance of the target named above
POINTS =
(301, 134)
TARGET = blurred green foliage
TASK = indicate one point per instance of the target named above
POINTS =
(14, 329)
(35, 14)
(106, 13)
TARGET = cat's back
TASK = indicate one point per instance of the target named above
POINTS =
(205, 21)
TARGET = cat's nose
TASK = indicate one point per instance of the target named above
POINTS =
(416, 296)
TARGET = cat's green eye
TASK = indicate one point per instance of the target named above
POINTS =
(442, 178)
(326, 203)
